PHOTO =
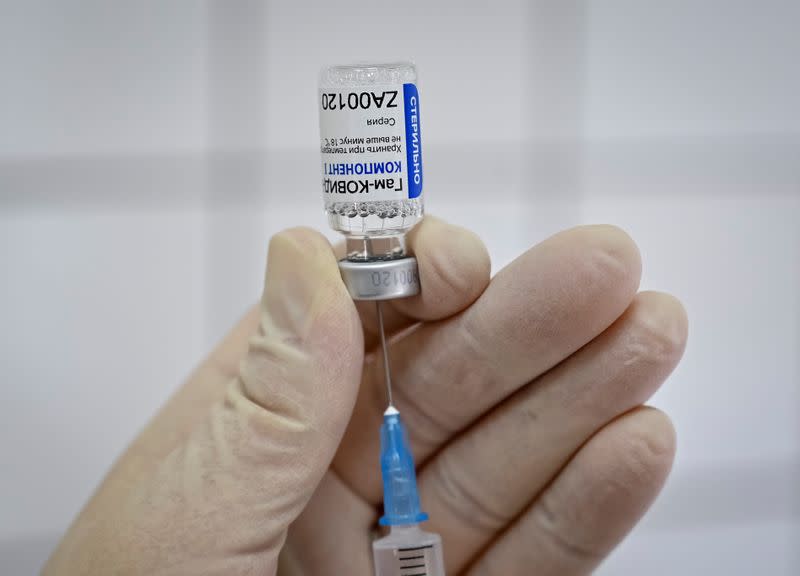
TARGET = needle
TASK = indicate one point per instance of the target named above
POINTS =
(385, 352)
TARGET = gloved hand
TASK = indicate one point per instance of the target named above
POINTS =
(522, 396)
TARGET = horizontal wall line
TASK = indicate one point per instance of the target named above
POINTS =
(527, 172)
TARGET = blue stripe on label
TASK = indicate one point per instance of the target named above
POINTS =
(413, 140)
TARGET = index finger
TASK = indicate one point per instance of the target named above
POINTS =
(454, 271)
(536, 312)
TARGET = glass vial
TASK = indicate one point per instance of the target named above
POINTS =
(371, 147)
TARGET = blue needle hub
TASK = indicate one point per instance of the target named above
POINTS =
(400, 497)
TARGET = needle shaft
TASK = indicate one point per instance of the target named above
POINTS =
(387, 372)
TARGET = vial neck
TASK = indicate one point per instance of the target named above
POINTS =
(371, 248)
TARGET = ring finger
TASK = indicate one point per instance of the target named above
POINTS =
(489, 474)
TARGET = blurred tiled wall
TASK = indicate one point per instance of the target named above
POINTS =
(148, 151)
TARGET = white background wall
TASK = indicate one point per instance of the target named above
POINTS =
(148, 150)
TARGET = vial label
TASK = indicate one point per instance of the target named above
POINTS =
(371, 143)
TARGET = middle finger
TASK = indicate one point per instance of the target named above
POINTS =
(540, 309)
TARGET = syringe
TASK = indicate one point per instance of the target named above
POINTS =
(407, 550)
(372, 183)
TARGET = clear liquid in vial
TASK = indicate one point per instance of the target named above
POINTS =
(383, 218)
(380, 212)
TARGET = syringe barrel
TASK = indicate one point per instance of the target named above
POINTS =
(408, 550)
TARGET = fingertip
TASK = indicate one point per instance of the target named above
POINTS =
(661, 321)
(642, 444)
(304, 251)
(616, 252)
(303, 283)
(454, 268)
(655, 432)
(301, 242)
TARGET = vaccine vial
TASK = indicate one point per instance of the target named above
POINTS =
(371, 146)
